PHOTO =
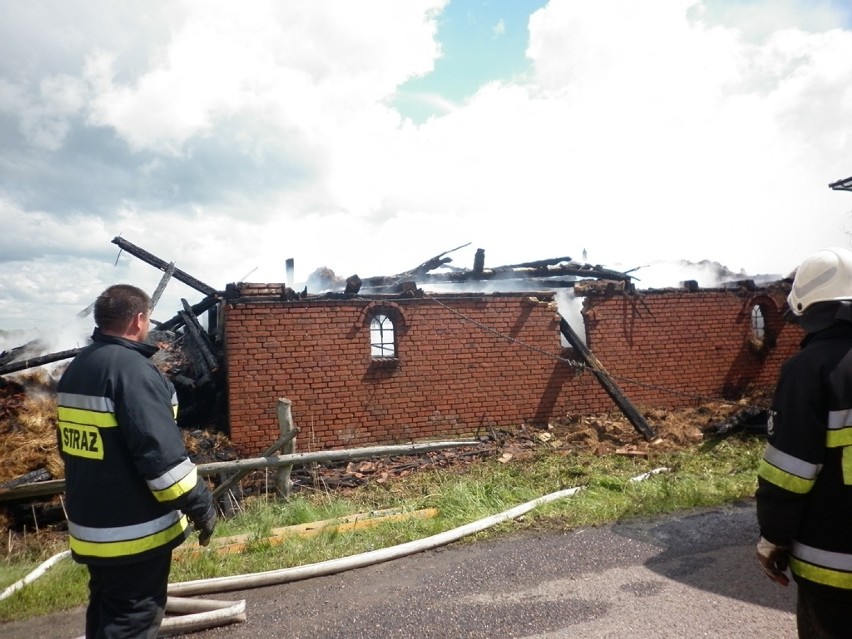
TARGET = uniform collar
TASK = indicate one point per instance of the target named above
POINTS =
(143, 348)
(838, 329)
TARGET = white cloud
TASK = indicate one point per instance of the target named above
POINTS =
(45, 114)
(499, 29)
(758, 19)
(292, 65)
(230, 137)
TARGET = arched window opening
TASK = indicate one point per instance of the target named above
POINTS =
(762, 339)
(758, 323)
(382, 336)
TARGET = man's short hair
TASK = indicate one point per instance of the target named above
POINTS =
(118, 305)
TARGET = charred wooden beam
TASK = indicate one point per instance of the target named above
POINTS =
(37, 489)
(538, 263)
(33, 346)
(202, 369)
(155, 261)
(170, 269)
(557, 269)
(750, 418)
(207, 362)
(40, 474)
(243, 292)
(32, 362)
(183, 381)
(197, 309)
(478, 262)
(204, 339)
(606, 381)
(353, 285)
(547, 274)
(431, 263)
(87, 311)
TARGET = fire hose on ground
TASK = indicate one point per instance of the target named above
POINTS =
(198, 614)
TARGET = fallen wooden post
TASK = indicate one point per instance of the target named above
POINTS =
(606, 381)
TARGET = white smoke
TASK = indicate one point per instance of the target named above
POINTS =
(708, 274)
(570, 308)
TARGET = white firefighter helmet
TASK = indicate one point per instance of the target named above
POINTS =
(825, 276)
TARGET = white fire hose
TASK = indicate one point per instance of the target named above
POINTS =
(194, 614)
(35, 574)
(198, 614)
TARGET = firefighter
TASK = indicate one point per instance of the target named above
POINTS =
(804, 494)
(130, 485)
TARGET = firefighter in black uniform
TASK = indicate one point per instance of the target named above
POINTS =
(804, 494)
(130, 485)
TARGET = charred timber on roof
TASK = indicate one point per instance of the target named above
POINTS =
(430, 264)
(540, 263)
(198, 351)
(197, 309)
(546, 270)
(32, 362)
(842, 185)
(353, 285)
(601, 287)
(253, 292)
(167, 275)
(30, 348)
(558, 269)
(478, 262)
(200, 340)
(155, 261)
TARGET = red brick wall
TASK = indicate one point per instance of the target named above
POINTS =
(466, 363)
(682, 345)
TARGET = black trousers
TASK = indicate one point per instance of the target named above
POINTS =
(129, 601)
(819, 615)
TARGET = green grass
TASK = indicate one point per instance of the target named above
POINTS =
(717, 472)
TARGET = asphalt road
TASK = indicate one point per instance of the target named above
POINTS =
(689, 575)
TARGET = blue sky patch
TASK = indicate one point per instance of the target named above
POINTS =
(481, 41)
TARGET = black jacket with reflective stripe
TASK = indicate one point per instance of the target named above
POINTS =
(127, 472)
(804, 497)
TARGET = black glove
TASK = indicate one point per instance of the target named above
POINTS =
(774, 560)
(205, 524)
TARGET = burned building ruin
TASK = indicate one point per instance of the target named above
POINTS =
(389, 359)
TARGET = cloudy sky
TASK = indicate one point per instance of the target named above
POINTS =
(369, 136)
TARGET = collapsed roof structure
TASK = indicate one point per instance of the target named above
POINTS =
(193, 356)
(200, 344)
